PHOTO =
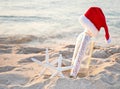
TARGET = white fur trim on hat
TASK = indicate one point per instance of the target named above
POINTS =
(87, 24)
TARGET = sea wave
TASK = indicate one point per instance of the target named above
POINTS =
(23, 18)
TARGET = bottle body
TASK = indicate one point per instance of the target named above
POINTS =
(81, 53)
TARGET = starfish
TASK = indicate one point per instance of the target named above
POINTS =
(47, 65)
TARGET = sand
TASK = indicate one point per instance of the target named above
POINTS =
(17, 71)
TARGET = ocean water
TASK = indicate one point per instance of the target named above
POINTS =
(55, 21)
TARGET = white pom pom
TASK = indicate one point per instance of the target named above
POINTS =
(109, 40)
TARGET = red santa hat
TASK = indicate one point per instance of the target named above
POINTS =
(93, 20)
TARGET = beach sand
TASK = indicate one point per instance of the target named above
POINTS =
(17, 71)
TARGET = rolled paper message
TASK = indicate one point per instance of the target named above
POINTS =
(77, 45)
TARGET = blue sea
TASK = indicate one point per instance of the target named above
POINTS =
(55, 21)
